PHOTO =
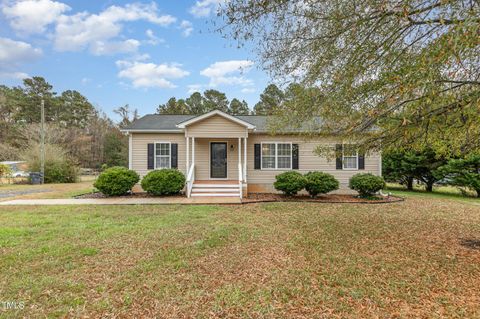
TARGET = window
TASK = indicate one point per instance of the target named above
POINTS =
(276, 155)
(162, 155)
(350, 157)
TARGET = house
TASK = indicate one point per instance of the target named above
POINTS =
(225, 155)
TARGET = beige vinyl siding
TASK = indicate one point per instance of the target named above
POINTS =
(140, 152)
(202, 158)
(308, 161)
(216, 126)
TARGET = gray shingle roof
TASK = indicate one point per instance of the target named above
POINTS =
(153, 122)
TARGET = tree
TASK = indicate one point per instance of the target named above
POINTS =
(76, 110)
(35, 89)
(127, 116)
(271, 98)
(405, 72)
(238, 108)
(173, 107)
(464, 172)
(399, 167)
(116, 149)
(405, 166)
(196, 103)
(215, 100)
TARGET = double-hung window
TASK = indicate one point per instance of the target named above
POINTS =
(276, 156)
(162, 155)
(350, 157)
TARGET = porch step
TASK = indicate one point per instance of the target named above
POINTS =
(215, 190)
(215, 185)
(212, 189)
(215, 194)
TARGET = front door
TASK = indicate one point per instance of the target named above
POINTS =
(218, 160)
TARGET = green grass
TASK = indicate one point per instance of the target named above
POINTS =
(418, 258)
(439, 192)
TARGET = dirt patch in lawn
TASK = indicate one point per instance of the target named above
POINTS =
(131, 195)
(330, 198)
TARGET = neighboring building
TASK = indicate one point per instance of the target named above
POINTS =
(226, 155)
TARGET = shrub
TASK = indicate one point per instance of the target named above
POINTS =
(366, 184)
(116, 181)
(320, 183)
(163, 182)
(59, 167)
(290, 183)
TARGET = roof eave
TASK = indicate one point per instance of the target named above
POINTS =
(184, 124)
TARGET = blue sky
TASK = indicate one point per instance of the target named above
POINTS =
(124, 52)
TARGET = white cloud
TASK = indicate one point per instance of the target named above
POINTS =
(148, 75)
(203, 8)
(13, 75)
(82, 30)
(85, 81)
(247, 90)
(228, 73)
(106, 48)
(32, 16)
(192, 88)
(13, 54)
(187, 28)
(152, 38)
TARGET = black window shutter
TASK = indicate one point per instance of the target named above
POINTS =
(339, 155)
(150, 156)
(257, 156)
(361, 161)
(294, 156)
(174, 156)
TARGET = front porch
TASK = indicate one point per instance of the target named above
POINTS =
(216, 167)
(216, 151)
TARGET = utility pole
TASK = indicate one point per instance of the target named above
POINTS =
(42, 142)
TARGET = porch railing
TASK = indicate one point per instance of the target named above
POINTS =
(190, 179)
(240, 180)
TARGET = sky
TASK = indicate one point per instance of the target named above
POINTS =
(125, 52)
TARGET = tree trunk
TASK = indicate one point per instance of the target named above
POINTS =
(410, 183)
(478, 192)
(429, 187)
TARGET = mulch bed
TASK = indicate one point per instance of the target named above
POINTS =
(131, 195)
(330, 198)
(268, 197)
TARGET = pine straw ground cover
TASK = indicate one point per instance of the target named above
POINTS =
(417, 258)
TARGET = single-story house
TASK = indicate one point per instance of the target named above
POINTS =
(225, 155)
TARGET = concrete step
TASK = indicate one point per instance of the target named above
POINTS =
(216, 194)
(214, 190)
(215, 185)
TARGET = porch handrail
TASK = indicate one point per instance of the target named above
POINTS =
(240, 179)
(190, 179)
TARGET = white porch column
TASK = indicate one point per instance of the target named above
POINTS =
(193, 150)
(240, 154)
(130, 151)
(188, 155)
(245, 159)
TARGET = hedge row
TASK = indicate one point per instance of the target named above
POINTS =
(116, 181)
(290, 183)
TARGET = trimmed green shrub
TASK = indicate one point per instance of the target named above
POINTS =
(366, 184)
(163, 182)
(320, 183)
(116, 181)
(290, 183)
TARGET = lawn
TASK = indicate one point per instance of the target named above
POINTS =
(26, 191)
(418, 258)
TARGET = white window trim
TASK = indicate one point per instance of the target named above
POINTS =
(155, 154)
(343, 160)
(276, 157)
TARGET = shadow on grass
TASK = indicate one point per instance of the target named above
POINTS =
(470, 243)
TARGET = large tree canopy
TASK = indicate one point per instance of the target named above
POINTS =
(407, 71)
